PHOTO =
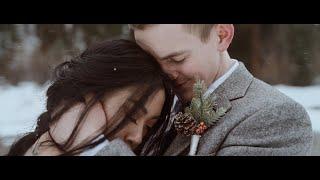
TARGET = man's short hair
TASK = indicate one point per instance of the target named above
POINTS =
(201, 30)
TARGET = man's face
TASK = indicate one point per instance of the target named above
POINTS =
(182, 55)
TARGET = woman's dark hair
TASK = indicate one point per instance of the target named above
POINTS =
(103, 68)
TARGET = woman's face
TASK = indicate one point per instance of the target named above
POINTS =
(142, 121)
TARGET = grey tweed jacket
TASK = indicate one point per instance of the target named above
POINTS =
(261, 121)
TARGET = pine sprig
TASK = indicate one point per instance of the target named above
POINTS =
(203, 109)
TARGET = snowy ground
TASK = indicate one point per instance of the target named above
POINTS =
(19, 108)
(21, 105)
(309, 97)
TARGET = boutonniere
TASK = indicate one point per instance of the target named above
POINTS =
(199, 116)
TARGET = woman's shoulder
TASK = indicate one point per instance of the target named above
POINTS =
(116, 147)
(41, 148)
(93, 151)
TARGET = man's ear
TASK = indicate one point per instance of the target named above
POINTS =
(225, 34)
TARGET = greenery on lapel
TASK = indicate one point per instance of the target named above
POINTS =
(204, 109)
(201, 114)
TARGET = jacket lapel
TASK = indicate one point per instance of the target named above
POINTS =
(233, 88)
(181, 142)
(178, 145)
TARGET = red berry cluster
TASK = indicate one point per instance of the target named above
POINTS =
(201, 128)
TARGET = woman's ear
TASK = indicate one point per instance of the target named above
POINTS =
(225, 34)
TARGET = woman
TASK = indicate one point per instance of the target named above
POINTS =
(113, 91)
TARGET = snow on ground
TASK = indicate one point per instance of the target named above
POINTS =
(309, 97)
(21, 105)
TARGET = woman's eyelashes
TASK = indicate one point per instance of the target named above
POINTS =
(133, 120)
(147, 128)
(147, 125)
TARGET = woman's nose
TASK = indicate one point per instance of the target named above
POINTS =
(134, 136)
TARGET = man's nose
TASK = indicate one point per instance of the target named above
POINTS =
(173, 75)
(170, 71)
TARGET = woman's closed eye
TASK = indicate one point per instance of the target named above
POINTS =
(149, 125)
(152, 121)
(146, 128)
(133, 120)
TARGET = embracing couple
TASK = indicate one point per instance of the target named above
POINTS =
(127, 98)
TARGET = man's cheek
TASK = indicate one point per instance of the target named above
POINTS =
(188, 71)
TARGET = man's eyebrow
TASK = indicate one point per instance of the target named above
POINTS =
(172, 55)
(165, 57)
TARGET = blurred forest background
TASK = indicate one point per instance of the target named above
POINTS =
(276, 53)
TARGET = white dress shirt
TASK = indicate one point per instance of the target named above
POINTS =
(221, 79)
(210, 89)
(216, 83)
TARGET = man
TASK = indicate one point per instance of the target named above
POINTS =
(260, 121)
